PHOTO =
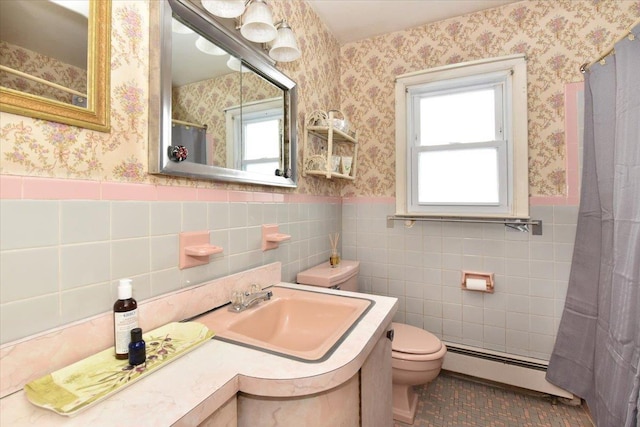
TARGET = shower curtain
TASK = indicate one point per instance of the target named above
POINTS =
(597, 350)
(194, 139)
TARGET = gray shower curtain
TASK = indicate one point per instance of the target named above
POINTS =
(597, 350)
(193, 138)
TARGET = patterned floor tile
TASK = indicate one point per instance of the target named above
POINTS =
(455, 401)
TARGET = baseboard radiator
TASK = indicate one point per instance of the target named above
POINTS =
(500, 367)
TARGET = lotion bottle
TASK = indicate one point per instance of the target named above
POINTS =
(125, 318)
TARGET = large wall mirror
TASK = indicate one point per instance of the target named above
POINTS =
(222, 110)
(55, 60)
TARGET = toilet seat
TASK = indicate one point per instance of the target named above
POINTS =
(411, 343)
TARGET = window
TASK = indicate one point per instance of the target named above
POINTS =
(461, 140)
(254, 137)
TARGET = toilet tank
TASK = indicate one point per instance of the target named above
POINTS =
(344, 276)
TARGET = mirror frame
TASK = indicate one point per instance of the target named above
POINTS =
(160, 102)
(96, 115)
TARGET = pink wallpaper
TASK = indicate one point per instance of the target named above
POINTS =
(557, 36)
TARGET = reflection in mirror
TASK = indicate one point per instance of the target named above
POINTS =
(54, 59)
(230, 110)
(31, 62)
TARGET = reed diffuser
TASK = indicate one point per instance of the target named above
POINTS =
(334, 258)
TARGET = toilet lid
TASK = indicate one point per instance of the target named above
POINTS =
(409, 339)
(326, 276)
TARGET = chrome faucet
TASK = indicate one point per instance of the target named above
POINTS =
(249, 299)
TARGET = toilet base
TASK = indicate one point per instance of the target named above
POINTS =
(405, 403)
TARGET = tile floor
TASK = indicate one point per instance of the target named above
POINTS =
(456, 401)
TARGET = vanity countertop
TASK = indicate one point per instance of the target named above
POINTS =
(189, 389)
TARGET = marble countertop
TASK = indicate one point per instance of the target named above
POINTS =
(189, 389)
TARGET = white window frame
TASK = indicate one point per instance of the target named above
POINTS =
(512, 148)
(237, 117)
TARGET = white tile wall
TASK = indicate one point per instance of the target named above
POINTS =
(423, 268)
(60, 260)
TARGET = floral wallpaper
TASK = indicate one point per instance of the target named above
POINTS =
(557, 37)
(357, 78)
(39, 148)
(45, 67)
(204, 103)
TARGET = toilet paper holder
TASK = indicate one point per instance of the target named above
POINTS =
(477, 281)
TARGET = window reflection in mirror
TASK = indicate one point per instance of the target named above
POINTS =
(254, 136)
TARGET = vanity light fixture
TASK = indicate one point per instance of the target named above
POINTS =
(179, 28)
(209, 48)
(284, 47)
(224, 8)
(255, 22)
(236, 65)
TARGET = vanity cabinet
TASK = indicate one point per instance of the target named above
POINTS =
(225, 416)
(324, 138)
(339, 406)
(376, 390)
(362, 400)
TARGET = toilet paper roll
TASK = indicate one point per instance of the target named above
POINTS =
(476, 284)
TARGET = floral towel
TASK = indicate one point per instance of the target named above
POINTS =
(78, 386)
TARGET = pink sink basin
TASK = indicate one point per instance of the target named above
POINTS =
(299, 324)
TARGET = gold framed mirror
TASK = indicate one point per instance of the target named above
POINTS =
(90, 111)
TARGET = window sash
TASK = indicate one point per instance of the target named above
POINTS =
(501, 206)
(499, 85)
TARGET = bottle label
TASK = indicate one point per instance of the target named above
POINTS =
(124, 323)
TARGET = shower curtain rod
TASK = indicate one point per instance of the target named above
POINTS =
(195, 125)
(43, 81)
(584, 67)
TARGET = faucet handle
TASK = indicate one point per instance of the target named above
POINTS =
(237, 299)
(255, 288)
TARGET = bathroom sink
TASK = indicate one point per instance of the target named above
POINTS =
(298, 324)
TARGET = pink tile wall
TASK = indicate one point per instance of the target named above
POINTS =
(24, 187)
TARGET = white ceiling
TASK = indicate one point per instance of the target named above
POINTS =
(352, 20)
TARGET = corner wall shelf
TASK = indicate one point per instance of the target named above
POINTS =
(322, 141)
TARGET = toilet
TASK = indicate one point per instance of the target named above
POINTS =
(344, 276)
(417, 355)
